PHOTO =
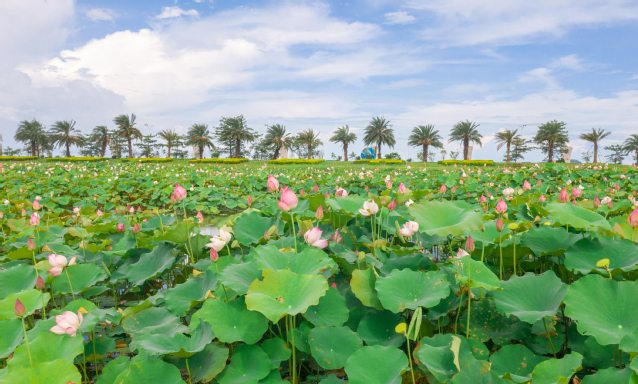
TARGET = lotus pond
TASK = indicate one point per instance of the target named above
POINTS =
(109, 274)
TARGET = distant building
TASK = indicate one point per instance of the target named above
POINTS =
(469, 152)
(567, 156)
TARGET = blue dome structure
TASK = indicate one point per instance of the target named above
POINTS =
(367, 154)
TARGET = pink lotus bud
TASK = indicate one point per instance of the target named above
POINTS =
(617, 187)
(36, 205)
(454, 189)
(542, 199)
(499, 225)
(563, 196)
(109, 248)
(173, 200)
(326, 195)
(266, 235)
(526, 186)
(19, 308)
(31, 245)
(469, 245)
(596, 202)
(483, 199)
(302, 193)
(273, 184)
(288, 200)
(367, 188)
(319, 213)
(119, 227)
(315, 189)
(443, 189)
(139, 208)
(24, 213)
(539, 183)
(250, 201)
(39, 283)
(334, 285)
(99, 213)
(576, 193)
(388, 185)
(501, 207)
(392, 205)
(179, 192)
(214, 256)
(402, 188)
(34, 220)
(574, 202)
(336, 237)
(136, 228)
(633, 218)
(200, 217)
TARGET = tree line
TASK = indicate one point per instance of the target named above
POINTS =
(233, 135)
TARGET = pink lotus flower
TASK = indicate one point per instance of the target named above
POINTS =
(288, 200)
(200, 217)
(39, 283)
(633, 218)
(369, 208)
(499, 225)
(443, 189)
(596, 202)
(501, 207)
(313, 238)
(99, 213)
(392, 205)
(214, 256)
(334, 285)
(173, 200)
(454, 189)
(409, 228)
(469, 245)
(461, 253)
(216, 243)
(526, 186)
(34, 220)
(563, 196)
(576, 193)
(273, 184)
(36, 205)
(19, 308)
(326, 195)
(31, 245)
(542, 198)
(483, 199)
(302, 193)
(319, 213)
(402, 188)
(388, 185)
(120, 227)
(179, 192)
(67, 323)
(136, 228)
(539, 183)
(315, 189)
(58, 263)
(341, 192)
(336, 237)
(250, 201)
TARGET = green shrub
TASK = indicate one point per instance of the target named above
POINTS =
(219, 161)
(18, 158)
(379, 161)
(76, 158)
(466, 162)
(296, 161)
(149, 160)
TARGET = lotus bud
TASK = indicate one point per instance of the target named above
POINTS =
(173, 200)
(39, 283)
(200, 217)
(388, 185)
(250, 201)
(499, 225)
(179, 192)
(539, 183)
(315, 189)
(99, 213)
(454, 189)
(214, 256)
(443, 189)
(526, 186)
(576, 193)
(136, 228)
(119, 227)
(34, 220)
(266, 235)
(24, 213)
(633, 218)
(469, 245)
(483, 199)
(392, 205)
(31, 245)
(19, 308)
(367, 188)
(326, 195)
(501, 207)
(288, 200)
(319, 213)
(302, 193)
(272, 184)
(542, 199)
(36, 205)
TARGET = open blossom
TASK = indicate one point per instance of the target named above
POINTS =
(501, 207)
(409, 202)
(216, 243)
(341, 192)
(34, 220)
(225, 235)
(67, 323)
(409, 228)
(606, 200)
(313, 238)
(179, 192)
(369, 208)
(461, 253)
(509, 191)
(336, 237)
(58, 263)
(273, 184)
(288, 200)
(119, 227)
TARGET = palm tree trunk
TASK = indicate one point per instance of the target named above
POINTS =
(595, 153)
(130, 147)
(508, 152)
(32, 147)
(550, 152)
(379, 155)
(309, 151)
(201, 152)
(103, 149)
(68, 152)
(345, 151)
(276, 154)
(237, 148)
(169, 149)
(466, 143)
(425, 153)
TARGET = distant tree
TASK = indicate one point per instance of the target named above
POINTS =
(425, 136)
(631, 145)
(392, 156)
(505, 138)
(198, 135)
(100, 135)
(552, 137)
(310, 139)
(170, 137)
(12, 152)
(466, 132)
(519, 148)
(64, 135)
(235, 130)
(353, 155)
(454, 155)
(345, 137)
(443, 154)
(126, 129)
(31, 133)
(277, 138)
(148, 144)
(259, 149)
(617, 154)
(595, 137)
(379, 131)
(432, 156)
(586, 156)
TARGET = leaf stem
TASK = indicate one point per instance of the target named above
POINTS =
(24, 328)
(549, 338)
(70, 286)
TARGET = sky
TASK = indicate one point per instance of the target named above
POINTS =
(323, 64)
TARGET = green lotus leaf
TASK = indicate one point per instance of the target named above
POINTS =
(477, 274)
(183, 297)
(177, 234)
(307, 262)
(363, 286)
(153, 320)
(491, 234)
(377, 328)
(277, 351)
(299, 336)
(177, 345)
(151, 264)
(332, 310)
(583, 256)
(248, 364)
(251, 227)
(150, 372)
(82, 276)
(547, 240)
(414, 262)
(487, 323)
(113, 369)
(376, 365)
(554, 371)
(285, 293)
(32, 299)
(609, 375)
(350, 204)
(206, 364)
(232, 321)
(17, 278)
(332, 346)
(530, 297)
(597, 356)
(46, 348)
(444, 218)
(54, 372)
(576, 217)
(99, 350)
(408, 289)
(11, 335)
(615, 304)
(274, 377)
(477, 372)
(517, 361)
(441, 354)
(238, 277)
(331, 379)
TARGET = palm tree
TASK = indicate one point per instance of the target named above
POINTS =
(101, 135)
(199, 136)
(507, 137)
(595, 137)
(345, 137)
(466, 132)
(310, 139)
(379, 131)
(31, 132)
(631, 144)
(64, 134)
(170, 137)
(425, 136)
(234, 129)
(277, 137)
(550, 136)
(126, 129)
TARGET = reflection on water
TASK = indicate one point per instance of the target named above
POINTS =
(209, 230)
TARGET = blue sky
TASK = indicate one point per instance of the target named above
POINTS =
(321, 65)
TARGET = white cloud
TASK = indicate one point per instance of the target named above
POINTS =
(400, 17)
(406, 83)
(634, 77)
(470, 22)
(572, 62)
(100, 14)
(172, 12)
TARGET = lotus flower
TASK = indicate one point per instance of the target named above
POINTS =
(501, 207)
(273, 184)
(483, 199)
(563, 196)
(409, 228)
(596, 202)
(99, 213)
(392, 205)
(542, 198)
(216, 243)
(288, 200)
(68, 322)
(461, 253)
(34, 220)
(120, 227)
(369, 208)
(173, 200)
(443, 189)
(336, 237)
(225, 235)
(136, 228)
(509, 191)
(250, 201)
(341, 192)
(58, 263)
(200, 217)
(31, 245)
(315, 189)
(214, 256)
(388, 185)
(576, 193)
(402, 188)
(39, 283)
(606, 200)
(179, 192)
(313, 238)
(469, 245)
(319, 213)
(302, 193)
(633, 218)
(526, 186)
(36, 205)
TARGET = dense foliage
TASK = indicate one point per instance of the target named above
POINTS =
(375, 275)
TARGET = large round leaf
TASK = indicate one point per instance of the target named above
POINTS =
(31, 299)
(363, 284)
(332, 346)
(250, 227)
(554, 371)
(376, 365)
(378, 328)
(576, 217)
(444, 218)
(408, 289)
(277, 351)
(153, 320)
(530, 297)
(54, 372)
(517, 361)
(11, 334)
(150, 372)
(603, 308)
(442, 355)
(177, 345)
(208, 363)
(151, 264)
(183, 297)
(487, 323)
(82, 276)
(238, 277)
(583, 256)
(332, 310)
(547, 240)
(248, 364)
(310, 261)
(475, 274)
(609, 375)
(232, 321)
(46, 348)
(17, 278)
(285, 293)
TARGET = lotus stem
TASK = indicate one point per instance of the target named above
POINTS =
(70, 286)
(410, 358)
(549, 338)
(294, 235)
(26, 339)
(189, 371)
